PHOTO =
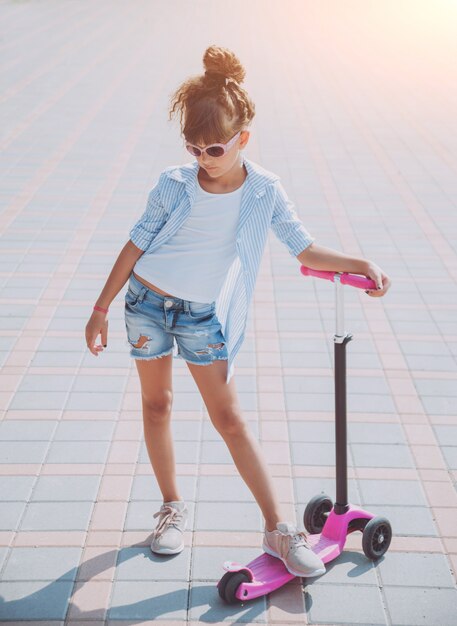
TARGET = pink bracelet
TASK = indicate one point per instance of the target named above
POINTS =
(99, 308)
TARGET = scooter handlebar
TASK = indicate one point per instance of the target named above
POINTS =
(354, 280)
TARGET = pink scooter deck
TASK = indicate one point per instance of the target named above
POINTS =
(268, 573)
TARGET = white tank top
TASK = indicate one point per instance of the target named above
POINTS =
(194, 262)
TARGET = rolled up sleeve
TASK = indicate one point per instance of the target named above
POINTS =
(152, 220)
(286, 224)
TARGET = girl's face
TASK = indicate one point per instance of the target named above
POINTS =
(218, 166)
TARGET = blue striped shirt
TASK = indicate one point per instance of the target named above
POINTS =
(264, 205)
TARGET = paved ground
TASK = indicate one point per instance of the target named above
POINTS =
(355, 106)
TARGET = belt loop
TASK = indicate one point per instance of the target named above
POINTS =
(186, 306)
(143, 292)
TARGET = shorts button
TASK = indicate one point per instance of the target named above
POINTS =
(168, 303)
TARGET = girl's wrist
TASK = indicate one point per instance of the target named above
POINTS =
(100, 309)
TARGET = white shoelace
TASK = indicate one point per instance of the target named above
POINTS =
(300, 539)
(170, 517)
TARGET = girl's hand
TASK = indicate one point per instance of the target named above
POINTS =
(98, 323)
(382, 280)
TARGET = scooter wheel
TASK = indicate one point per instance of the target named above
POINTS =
(376, 537)
(231, 586)
(316, 513)
(222, 584)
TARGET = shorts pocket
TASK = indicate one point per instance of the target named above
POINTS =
(201, 311)
(131, 298)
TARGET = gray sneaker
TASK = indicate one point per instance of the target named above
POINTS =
(168, 535)
(291, 546)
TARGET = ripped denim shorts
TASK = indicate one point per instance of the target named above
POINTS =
(154, 323)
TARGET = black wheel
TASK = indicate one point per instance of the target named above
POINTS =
(316, 513)
(222, 583)
(376, 537)
(232, 585)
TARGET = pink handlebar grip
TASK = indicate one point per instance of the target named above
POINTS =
(354, 280)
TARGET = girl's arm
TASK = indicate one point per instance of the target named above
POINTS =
(98, 322)
(121, 271)
(321, 258)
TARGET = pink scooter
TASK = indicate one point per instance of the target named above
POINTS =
(327, 523)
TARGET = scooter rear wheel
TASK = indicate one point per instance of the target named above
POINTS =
(376, 537)
(231, 586)
(316, 513)
(222, 584)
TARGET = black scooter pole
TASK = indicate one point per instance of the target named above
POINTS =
(341, 339)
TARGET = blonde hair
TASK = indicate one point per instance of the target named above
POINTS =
(213, 106)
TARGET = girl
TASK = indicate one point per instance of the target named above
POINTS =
(191, 263)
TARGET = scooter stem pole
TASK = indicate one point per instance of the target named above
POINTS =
(341, 338)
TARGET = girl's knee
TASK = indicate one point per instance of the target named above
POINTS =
(157, 408)
(230, 423)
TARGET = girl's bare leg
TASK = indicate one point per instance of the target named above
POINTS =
(223, 408)
(157, 397)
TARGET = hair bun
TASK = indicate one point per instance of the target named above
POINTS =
(222, 64)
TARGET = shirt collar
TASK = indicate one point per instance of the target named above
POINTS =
(257, 177)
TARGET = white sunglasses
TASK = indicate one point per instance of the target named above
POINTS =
(215, 149)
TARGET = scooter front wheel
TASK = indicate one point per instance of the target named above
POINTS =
(376, 537)
(316, 513)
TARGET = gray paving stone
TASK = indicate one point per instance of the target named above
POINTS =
(23, 400)
(57, 516)
(450, 456)
(308, 359)
(148, 600)
(100, 384)
(186, 430)
(78, 452)
(85, 430)
(446, 435)
(142, 564)
(375, 433)
(206, 606)
(27, 430)
(66, 488)
(88, 401)
(42, 563)
(396, 492)
(23, 451)
(410, 521)
(421, 606)
(314, 454)
(382, 455)
(228, 516)
(185, 452)
(309, 402)
(424, 348)
(38, 600)
(4, 551)
(311, 431)
(54, 359)
(439, 406)
(10, 514)
(307, 488)
(223, 489)
(436, 387)
(147, 488)
(431, 364)
(16, 487)
(424, 570)
(362, 603)
(41, 382)
(215, 452)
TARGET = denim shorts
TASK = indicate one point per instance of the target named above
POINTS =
(161, 321)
